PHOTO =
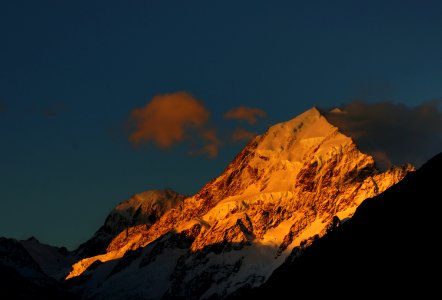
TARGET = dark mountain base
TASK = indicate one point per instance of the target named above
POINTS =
(390, 247)
(13, 286)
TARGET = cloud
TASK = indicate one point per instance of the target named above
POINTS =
(244, 113)
(241, 134)
(166, 119)
(374, 89)
(212, 148)
(393, 133)
(170, 119)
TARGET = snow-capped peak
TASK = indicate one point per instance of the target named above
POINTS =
(144, 208)
(285, 188)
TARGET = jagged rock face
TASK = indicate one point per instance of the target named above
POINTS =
(143, 208)
(287, 187)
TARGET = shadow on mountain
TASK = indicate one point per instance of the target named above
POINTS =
(190, 277)
(15, 286)
(389, 247)
(21, 277)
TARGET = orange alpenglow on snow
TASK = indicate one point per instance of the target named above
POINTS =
(285, 188)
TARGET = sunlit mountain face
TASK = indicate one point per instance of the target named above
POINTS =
(220, 150)
(287, 188)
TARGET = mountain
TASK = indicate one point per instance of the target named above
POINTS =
(33, 270)
(55, 262)
(288, 187)
(141, 209)
(21, 276)
(14, 255)
(390, 248)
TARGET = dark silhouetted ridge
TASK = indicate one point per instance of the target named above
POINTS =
(389, 247)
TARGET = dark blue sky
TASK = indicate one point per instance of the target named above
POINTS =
(72, 71)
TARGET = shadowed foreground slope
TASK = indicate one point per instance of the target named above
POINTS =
(22, 278)
(390, 247)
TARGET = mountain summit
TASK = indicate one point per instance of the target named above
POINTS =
(286, 188)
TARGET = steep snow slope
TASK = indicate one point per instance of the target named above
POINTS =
(285, 189)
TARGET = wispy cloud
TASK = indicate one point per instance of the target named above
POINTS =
(211, 148)
(169, 119)
(244, 113)
(393, 133)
